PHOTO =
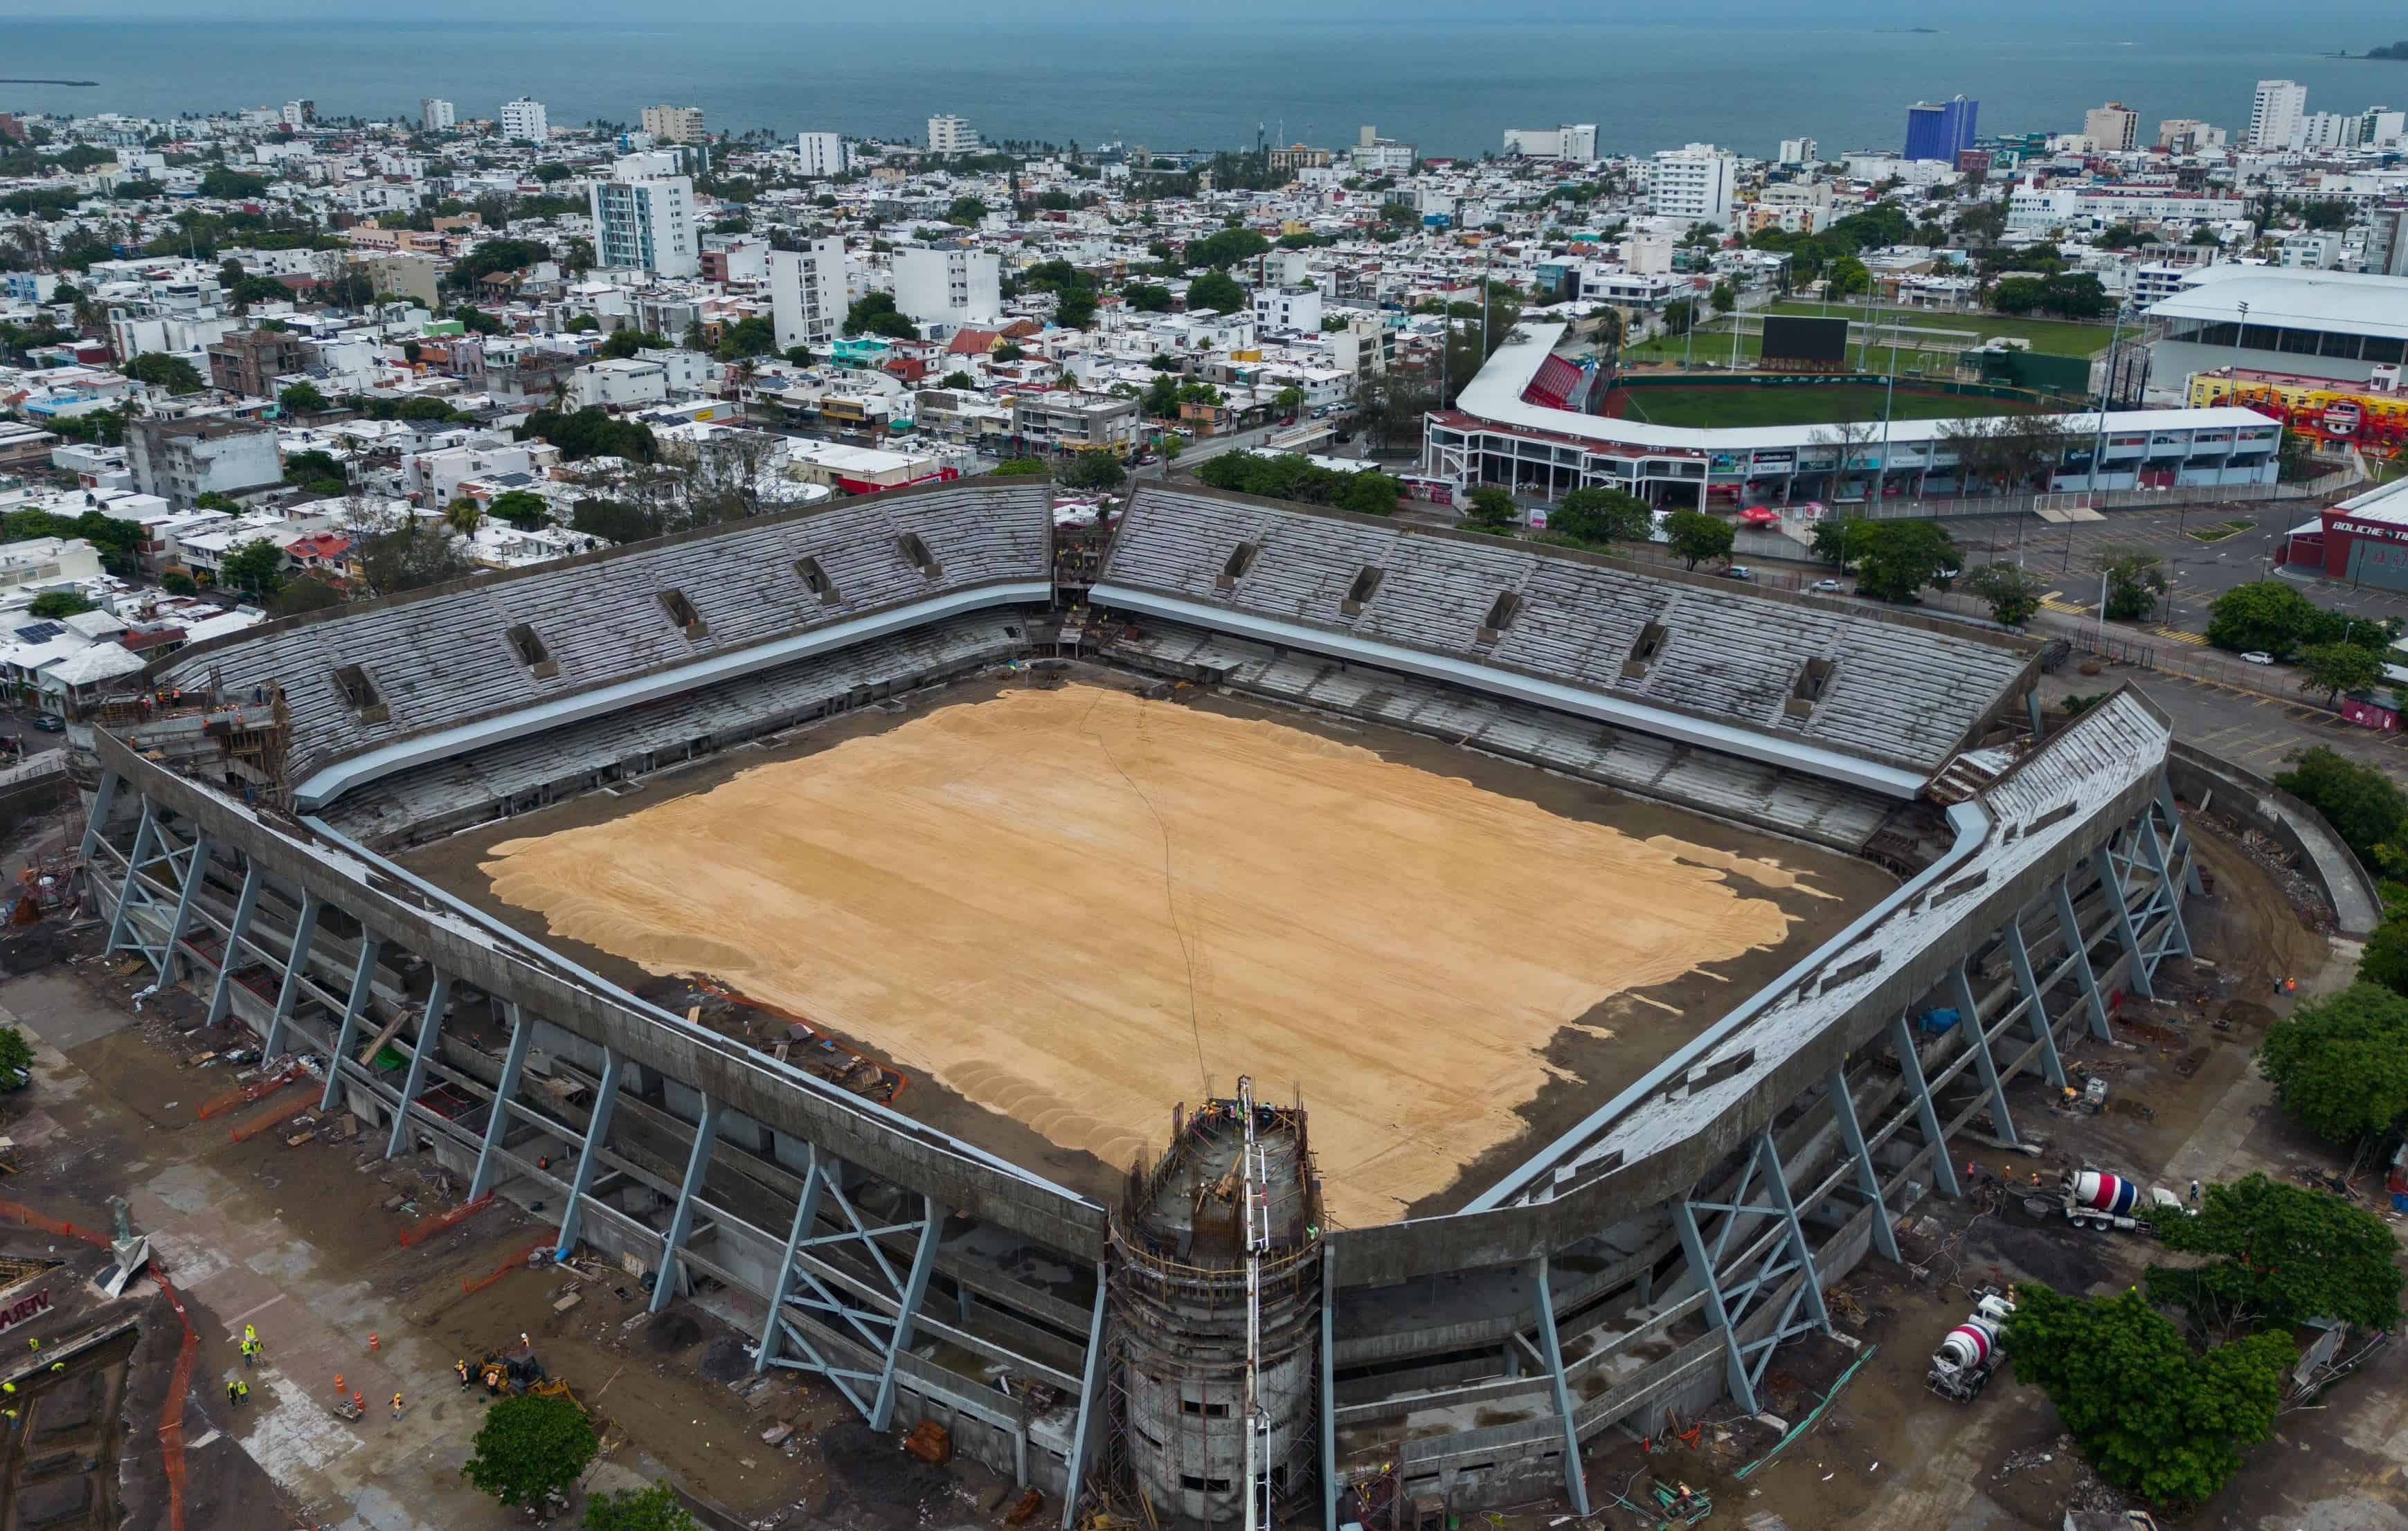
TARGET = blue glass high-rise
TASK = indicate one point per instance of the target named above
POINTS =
(1941, 129)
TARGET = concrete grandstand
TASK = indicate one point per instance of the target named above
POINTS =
(248, 801)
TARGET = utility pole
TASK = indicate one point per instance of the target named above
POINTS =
(2098, 433)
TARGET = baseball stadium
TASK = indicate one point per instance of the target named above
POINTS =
(1267, 1009)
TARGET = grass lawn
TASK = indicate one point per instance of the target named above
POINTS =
(2048, 336)
(1728, 408)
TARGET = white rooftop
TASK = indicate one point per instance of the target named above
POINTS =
(2349, 302)
(2387, 504)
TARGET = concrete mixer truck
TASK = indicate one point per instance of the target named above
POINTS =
(2094, 1198)
(1971, 1351)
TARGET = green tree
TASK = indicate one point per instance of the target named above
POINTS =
(464, 516)
(232, 185)
(2384, 961)
(521, 509)
(1097, 469)
(2336, 667)
(302, 399)
(1723, 299)
(1225, 249)
(161, 370)
(2012, 591)
(582, 324)
(528, 1449)
(476, 320)
(1835, 540)
(418, 553)
(2136, 582)
(613, 520)
(1006, 353)
(52, 605)
(1161, 400)
(966, 210)
(2150, 1415)
(652, 1508)
(1021, 467)
(2264, 616)
(875, 314)
(1217, 291)
(1601, 516)
(2339, 1063)
(2277, 1256)
(1371, 494)
(16, 1060)
(1147, 297)
(1489, 511)
(1075, 310)
(1696, 536)
(622, 345)
(2362, 804)
(797, 355)
(177, 582)
(592, 433)
(959, 380)
(1897, 559)
(303, 593)
(751, 336)
(255, 568)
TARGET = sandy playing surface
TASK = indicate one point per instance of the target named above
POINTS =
(1078, 908)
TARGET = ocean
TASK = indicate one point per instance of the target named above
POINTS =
(1452, 87)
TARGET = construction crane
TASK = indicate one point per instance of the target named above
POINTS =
(1256, 1176)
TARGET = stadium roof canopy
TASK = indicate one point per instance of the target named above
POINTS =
(2337, 301)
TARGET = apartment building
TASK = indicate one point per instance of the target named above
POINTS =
(2112, 129)
(824, 155)
(247, 362)
(2276, 114)
(674, 124)
(807, 293)
(434, 114)
(1294, 307)
(1692, 183)
(1941, 129)
(949, 134)
(525, 121)
(1069, 421)
(946, 284)
(1564, 141)
(644, 217)
(182, 460)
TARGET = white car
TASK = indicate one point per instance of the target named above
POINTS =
(1828, 584)
(2257, 656)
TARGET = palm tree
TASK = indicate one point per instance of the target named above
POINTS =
(464, 516)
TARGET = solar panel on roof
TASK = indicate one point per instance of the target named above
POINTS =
(40, 632)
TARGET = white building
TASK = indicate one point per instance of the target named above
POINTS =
(2188, 136)
(807, 293)
(1566, 141)
(1295, 308)
(674, 124)
(2112, 129)
(434, 114)
(947, 284)
(2321, 132)
(2380, 127)
(2275, 113)
(1799, 151)
(950, 135)
(525, 121)
(644, 217)
(824, 155)
(620, 383)
(297, 115)
(1378, 156)
(1692, 183)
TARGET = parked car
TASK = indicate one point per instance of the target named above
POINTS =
(2257, 656)
(1739, 571)
(1828, 585)
(50, 723)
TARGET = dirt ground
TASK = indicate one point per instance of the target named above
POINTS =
(1076, 908)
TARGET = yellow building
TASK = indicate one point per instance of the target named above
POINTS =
(2371, 416)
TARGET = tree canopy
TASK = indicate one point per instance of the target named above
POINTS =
(1226, 248)
(303, 594)
(1599, 516)
(622, 345)
(1095, 469)
(301, 398)
(161, 370)
(1897, 559)
(586, 433)
(528, 1449)
(2135, 580)
(874, 313)
(613, 520)
(521, 508)
(1698, 537)
(412, 556)
(2277, 1256)
(654, 1507)
(1292, 476)
(2362, 804)
(255, 568)
(2272, 616)
(2151, 1415)
(2339, 1063)
(1217, 291)
(2012, 592)
(2336, 667)
(51, 605)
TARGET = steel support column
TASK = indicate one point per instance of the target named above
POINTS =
(1910, 1067)
(1551, 1348)
(2035, 1010)
(681, 1220)
(246, 904)
(2110, 884)
(196, 867)
(2177, 933)
(287, 991)
(807, 1212)
(430, 1032)
(1694, 1248)
(103, 802)
(498, 1120)
(1852, 1131)
(1091, 1385)
(2070, 924)
(131, 889)
(1979, 1040)
(597, 1126)
(2181, 836)
(915, 1289)
(1777, 1181)
(363, 977)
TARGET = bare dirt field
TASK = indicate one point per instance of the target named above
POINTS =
(1074, 908)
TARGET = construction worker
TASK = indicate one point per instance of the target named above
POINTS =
(241, 1392)
(58, 1365)
(397, 1406)
(249, 1336)
(462, 1367)
(234, 1391)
